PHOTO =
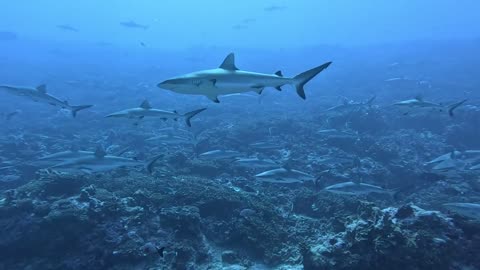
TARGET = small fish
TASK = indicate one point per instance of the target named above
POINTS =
(67, 27)
(132, 24)
(39, 94)
(220, 154)
(351, 188)
(471, 210)
(145, 110)
(285, 176)
(8, 36)
(228, 79)
(274, 8)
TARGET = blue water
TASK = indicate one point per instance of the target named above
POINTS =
(193, 212)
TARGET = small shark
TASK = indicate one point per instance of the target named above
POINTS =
(67, 27)
(100, 161)
(285, 176)
(146, 110)
(266, 145)
(220, 154)
(167, 139)
(471, 210)
(418, 102)
(64, 156)
(228, 79)
(39, 94)
(349, 106)
(336, 133)
(132, 24)
(351, 188)
(254, 163)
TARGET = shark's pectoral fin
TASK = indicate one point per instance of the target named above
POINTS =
(278, 88)
(258, 88)
(213, 98)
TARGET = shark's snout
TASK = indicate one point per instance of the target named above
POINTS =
(169, 84)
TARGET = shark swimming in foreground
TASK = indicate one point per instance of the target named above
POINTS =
(228, 79)
(146, 110)
(39, 94)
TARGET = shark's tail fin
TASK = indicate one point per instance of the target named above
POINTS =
(151, 162)
(301, 79)
(75, 109)
(190, 115)
(452, 107)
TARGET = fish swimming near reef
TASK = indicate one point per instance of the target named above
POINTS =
(228, 79)
(418, 102)
(100, 161)
(146, 111)
(471, 210)
(356, 189)
(284, 176)
(39, 94)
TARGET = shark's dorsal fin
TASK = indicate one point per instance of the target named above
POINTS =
(229, 62)
(419, 97)
(279, 73)
(145, 105)
(42, 88)
(100, 152)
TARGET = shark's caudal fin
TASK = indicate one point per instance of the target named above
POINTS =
(75, 109)
(452, 107)
(301, 79)
(191, 114)
(151, 162)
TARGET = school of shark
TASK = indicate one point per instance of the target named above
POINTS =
(348, 158)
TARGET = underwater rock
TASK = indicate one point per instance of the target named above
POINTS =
(230, 257)
(392, 238)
